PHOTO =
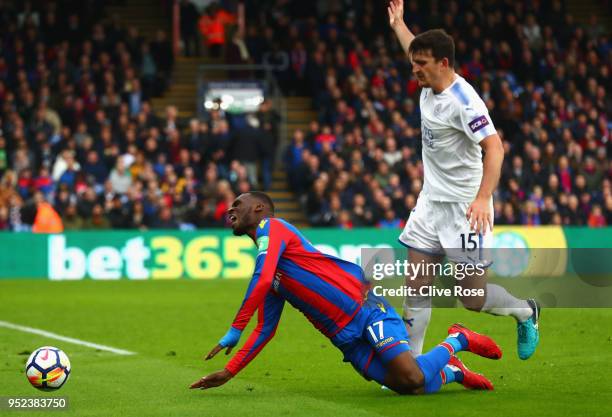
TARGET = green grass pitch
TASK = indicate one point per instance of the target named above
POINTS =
(172, 324)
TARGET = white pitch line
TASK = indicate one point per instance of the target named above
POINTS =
(64, 338)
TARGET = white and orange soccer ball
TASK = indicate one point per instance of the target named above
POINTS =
(48, 368)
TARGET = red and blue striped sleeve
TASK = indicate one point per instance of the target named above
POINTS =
(267, 321)
(270, 245)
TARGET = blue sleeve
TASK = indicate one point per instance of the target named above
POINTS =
(269, 314)
(270, 239)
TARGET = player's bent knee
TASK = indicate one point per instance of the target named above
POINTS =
(473, 306)
(404, 375)
(406, 382)
(412, 381)
(408, 386)
(473, 303)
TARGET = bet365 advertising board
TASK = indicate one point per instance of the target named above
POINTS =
(212, 254)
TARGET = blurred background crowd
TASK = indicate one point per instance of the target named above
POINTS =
(79, 139)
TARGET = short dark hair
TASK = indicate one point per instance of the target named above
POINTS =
(436, 41)
(263, 198)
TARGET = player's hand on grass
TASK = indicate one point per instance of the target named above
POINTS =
(228, 341)
(396, 12)
(215, 379)
(479, 215)
(216, 350)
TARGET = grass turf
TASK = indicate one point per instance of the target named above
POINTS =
(172, 324)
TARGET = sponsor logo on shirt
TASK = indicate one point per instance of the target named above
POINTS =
(384, 342)
(427, 134)
(276, 282)
(478, 123)
(262, 223)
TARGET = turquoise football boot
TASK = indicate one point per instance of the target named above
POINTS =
(528, 332)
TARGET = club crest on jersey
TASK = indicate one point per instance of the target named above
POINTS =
(428, 137)
(262, 243)
(262, 223)
(478, 123)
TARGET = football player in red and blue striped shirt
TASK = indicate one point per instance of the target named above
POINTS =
(334, 296)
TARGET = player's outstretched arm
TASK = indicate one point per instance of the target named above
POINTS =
(268, 316)
(270, 245)
(396, 21)
(258, 298)
(267, 321)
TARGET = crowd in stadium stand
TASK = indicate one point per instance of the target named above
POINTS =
(79, 137)
(81, 148)
(542, 76)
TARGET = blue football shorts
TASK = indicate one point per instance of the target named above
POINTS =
(374, 337)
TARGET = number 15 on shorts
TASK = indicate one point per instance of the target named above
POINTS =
(469, 242)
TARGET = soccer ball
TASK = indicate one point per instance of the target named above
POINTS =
(48, 368)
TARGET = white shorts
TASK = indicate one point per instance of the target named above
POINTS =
(441, 228)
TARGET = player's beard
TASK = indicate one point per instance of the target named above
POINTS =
(241, 226)
(239, 232)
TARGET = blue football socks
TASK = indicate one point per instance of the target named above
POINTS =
(452, 374)
(434, 361)
(458, 342)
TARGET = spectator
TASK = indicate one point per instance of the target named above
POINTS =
(530, 215)
(316, 205)
(161, 49)
(165, 219)
(64, 162)
(189, 20)
(212, 27)
(120, 178)
(236, 53)
(390, 221)
(47, 220)
(117, 213)
(95, 168)
(344, 221)
(267, 151)
(97, 220)
(71, 218)
(245, 146)
(361, 215)
(137, 219)
(596, 218)
(43, 182)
